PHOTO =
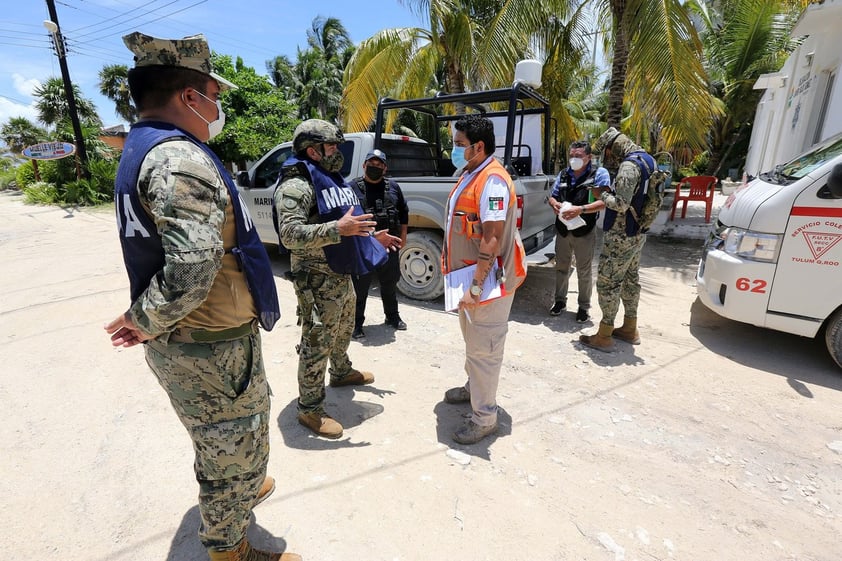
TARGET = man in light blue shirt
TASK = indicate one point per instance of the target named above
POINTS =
(572, 197)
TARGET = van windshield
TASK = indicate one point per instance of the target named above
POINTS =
(801, 166)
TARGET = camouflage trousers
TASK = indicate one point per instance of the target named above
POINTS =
(326, 306)
(220, 393)
(619, 275)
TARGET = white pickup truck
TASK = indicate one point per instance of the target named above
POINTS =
(426, 175)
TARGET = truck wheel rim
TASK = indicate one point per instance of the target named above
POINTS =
(417, 267)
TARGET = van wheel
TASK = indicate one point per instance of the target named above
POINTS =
(833, 336)
(420, 263)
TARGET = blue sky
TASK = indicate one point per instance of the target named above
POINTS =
(256, 30)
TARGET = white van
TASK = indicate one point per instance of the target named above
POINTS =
(773, 258)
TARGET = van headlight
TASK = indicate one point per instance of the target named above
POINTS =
(754, 246)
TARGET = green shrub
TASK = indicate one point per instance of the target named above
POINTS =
(7, 179)
(103, 173)
(698, 166)
(58, 172)
(40, 193)
(86, 192)
(25, 175)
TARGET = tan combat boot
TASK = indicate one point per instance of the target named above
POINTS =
(321, 424)
(244, 552)
(628, 332)
(353, 378)
(266, 489)
(601, 340)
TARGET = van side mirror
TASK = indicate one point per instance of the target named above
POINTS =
(243, 179)
(834, 181)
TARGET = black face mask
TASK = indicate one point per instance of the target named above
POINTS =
(373, 173)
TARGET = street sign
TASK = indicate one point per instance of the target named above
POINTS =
(49, 150)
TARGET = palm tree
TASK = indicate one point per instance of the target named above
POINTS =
(19, 133)
(657, 73)
(282, 73)
(570, 80)
(114, 84)
(329, 36)
(52, 106)
(473, 44)
(742, 41)
(317, 74)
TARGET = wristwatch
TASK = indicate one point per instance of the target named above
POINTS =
(476, 290)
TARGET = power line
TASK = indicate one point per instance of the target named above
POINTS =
(127, 14)
(24, 45)
(95, 36)
(119, 15)
(16, 100)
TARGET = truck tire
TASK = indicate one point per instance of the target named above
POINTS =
(420, 263)
(833, 336)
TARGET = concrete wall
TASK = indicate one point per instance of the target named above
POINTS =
(802, 103)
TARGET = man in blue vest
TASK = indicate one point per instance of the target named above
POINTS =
(574, 186)
(330, 239)
(201, 283)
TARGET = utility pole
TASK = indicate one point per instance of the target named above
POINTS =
(81, 154)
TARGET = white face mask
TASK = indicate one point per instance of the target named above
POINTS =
(576, 163)
(215, 126)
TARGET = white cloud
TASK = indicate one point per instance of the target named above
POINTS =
(10, 109)
(24, 85)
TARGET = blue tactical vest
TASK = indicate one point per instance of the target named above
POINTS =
(142, 250)
(353, 255)
(632, 227)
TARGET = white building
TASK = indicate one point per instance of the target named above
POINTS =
(802, 104)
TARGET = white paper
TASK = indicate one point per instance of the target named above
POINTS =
(456, 283)
(571, 224)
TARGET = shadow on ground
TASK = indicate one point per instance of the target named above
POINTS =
(186, 546)
(767, 350)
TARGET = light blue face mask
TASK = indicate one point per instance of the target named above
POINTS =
(457, 156)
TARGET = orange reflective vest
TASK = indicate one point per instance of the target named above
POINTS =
(465, 233)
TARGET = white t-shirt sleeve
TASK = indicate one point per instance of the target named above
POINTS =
(494, 202)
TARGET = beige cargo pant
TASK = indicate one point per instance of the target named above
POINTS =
(485, 341)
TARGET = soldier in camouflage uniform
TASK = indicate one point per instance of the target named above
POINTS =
(326, 299)
(193, 307)
(618, 276)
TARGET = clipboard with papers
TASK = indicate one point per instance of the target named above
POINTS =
(457, 282)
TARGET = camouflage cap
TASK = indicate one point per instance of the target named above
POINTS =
(606, 140)
(191, 52)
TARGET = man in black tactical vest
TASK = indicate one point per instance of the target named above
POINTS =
(384, 199)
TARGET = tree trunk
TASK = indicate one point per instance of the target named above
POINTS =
(616, 89)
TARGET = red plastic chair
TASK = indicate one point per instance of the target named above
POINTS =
(697, 188)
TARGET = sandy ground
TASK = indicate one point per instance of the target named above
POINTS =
(711, 440)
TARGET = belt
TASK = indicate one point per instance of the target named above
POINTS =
(194, 335)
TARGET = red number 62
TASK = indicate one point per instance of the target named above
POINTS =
(752, 285)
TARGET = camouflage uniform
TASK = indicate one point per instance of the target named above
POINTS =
(218, 389)
(206, 352)
(326, 300)
(618, 274)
